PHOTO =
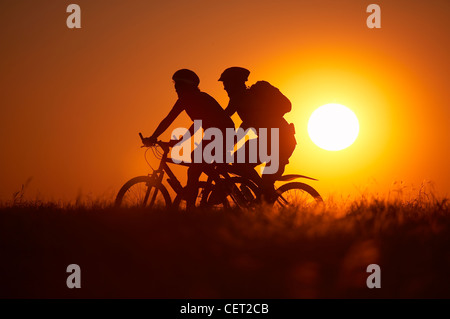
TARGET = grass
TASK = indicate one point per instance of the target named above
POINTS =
(320, 252)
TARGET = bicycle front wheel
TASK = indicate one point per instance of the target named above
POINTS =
(297, 194)
(141, 191)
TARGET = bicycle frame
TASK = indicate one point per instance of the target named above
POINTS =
(157, 176)
(214, 172)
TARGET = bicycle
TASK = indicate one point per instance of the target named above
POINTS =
(221, 190)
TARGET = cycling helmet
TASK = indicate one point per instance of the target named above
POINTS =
(186, 76)
(235, 73)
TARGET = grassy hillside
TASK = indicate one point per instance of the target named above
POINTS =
(315, 253)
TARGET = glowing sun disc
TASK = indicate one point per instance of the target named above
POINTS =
(333, 127)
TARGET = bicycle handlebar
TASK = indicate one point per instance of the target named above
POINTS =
(164, 145)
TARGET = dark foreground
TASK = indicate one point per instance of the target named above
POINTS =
(312, 254)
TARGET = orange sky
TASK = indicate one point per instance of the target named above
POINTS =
(73, 101)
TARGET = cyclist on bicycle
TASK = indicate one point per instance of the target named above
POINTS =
(264, 115)
(199, 106)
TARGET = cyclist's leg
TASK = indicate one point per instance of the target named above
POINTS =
(251, 160)
(287, 145)
(193, 175)
(268, 182)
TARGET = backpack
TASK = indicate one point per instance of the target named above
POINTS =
(267, 100)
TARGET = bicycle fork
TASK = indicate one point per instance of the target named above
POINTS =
(155, 179)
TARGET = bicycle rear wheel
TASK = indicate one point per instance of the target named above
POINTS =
(141, 191)
(297, 194)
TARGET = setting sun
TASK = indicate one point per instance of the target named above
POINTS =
(333, 127)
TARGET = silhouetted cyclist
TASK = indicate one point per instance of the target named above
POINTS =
(198, 106)
(262, 113)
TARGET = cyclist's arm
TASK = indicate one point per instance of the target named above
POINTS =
(231, 108)
(189, 133)
(165, 123)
